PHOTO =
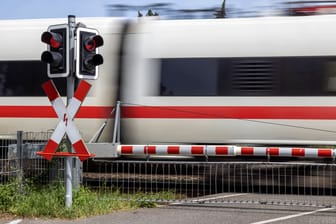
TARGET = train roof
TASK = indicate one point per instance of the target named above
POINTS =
(107, 20)
(243, 37)
(248, 37)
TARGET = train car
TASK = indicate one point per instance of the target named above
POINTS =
(223, 81)
(230, 81)
(24, 105)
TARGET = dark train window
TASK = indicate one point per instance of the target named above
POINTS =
(274, 76)
(188, 77)
(25, 78)
(330, 76)
(302, 76)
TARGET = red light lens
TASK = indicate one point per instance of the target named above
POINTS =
(90, 45)
(53, 39)
(54, 43)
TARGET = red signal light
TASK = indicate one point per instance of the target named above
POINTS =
(88, 42)
(90, 45)
(53, 39)
(57, 54)
(54, 43)
(93, 42)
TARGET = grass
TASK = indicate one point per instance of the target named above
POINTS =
(49, 202)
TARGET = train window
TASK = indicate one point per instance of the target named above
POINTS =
(301, 76)
(273, 76)
(188, 77)
(330, 76)
(24, 78)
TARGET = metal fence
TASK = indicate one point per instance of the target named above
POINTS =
(308, 183)
(9, 166)
(19, 159)
(312, 184)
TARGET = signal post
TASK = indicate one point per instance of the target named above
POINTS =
(71, 53)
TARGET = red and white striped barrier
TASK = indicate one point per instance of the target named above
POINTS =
(287, 152)
(195, 150)
(225, 150)
(66, 124)
(217, 150)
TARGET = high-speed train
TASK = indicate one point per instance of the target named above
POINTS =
(268, 80)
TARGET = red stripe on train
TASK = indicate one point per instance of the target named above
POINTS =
(231, 112)
(181, 112)
(48, 112)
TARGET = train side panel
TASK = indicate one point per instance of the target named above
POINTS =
(253, 80)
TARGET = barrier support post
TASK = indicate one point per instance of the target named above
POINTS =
(70, 92)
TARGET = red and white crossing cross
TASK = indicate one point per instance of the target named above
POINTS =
(66, 115)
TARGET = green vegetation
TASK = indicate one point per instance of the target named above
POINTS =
(48, 201)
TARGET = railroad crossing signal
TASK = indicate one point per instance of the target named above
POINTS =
(66, 124)
(88, 58)
(61, 58)
(57, 54)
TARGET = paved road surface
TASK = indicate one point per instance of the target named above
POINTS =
(210, 213)
(201, 215)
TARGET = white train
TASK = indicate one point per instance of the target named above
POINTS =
(243, 81)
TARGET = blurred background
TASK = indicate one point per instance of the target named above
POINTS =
(166, 9)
